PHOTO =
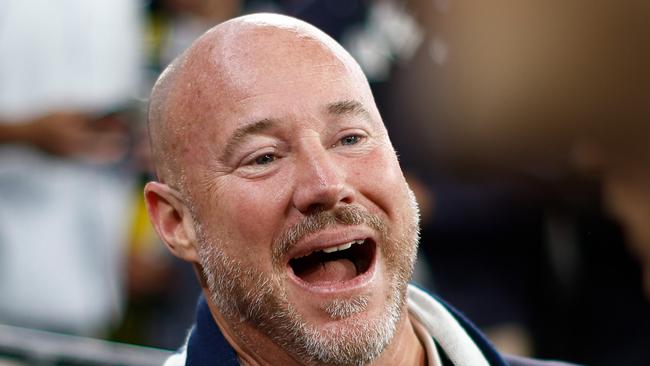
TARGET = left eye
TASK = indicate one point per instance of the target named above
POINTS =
(350, 140)
(265, 159)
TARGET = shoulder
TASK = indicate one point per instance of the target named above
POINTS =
(521, 361)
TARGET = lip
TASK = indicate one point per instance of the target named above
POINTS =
(327, 239)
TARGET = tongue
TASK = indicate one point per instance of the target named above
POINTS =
(330, 271)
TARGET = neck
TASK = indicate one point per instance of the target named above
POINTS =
(251, 345)
(405, 348)
(255, 348)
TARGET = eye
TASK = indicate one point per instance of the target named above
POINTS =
(350, 140)
(259, 164)
(264, 159)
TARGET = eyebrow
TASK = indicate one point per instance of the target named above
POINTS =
(351, 107)
(242, 132)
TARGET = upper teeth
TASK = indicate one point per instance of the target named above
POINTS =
(337, 248)
(342, 246)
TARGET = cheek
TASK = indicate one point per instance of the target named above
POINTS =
(379, 178)
(246, 216)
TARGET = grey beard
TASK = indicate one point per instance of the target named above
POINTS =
(358, 343)
(243, 294)
(345, 308)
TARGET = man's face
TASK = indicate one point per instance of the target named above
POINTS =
(306, 227)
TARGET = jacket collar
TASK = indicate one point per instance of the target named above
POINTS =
(489, 352)
(207, 345)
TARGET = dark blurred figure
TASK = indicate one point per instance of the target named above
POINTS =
(68, 70)
(174, 24)
(504, 98)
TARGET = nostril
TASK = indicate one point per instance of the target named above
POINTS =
(347, 199)
(314, 208)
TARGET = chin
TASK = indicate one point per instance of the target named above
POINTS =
(356, 339)
(347, 331)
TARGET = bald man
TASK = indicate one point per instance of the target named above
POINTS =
(278, 182)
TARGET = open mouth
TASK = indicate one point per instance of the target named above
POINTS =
(335, 264)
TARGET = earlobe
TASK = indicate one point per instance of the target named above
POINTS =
(171, 218)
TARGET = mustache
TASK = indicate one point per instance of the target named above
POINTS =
(344, 215)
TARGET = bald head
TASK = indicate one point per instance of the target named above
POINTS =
(221, 68)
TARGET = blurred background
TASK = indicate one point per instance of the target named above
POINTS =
(523, 127)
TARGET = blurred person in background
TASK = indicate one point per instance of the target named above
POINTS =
(68, 70)
(174, 24)
(527, 97)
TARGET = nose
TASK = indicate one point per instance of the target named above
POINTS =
(320, 182)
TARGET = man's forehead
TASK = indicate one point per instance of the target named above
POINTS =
(229, 69)
(244, 58)
(261, 28)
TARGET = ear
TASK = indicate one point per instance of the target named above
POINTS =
(172, 220)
